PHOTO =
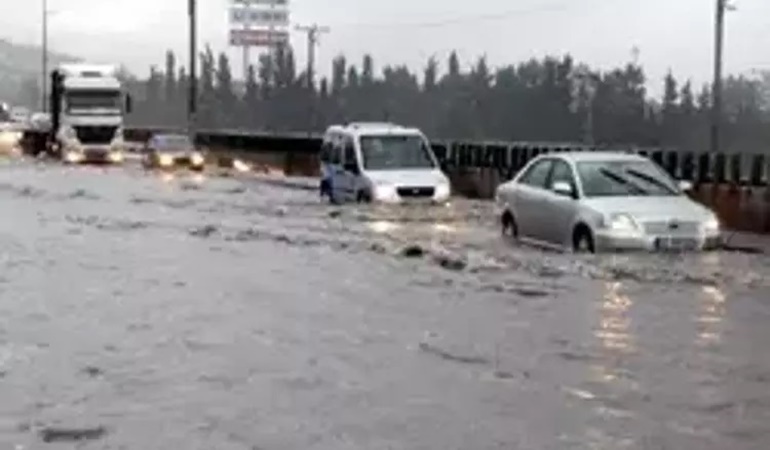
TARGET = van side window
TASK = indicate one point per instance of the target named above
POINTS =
(350, 151)
(326, 152)
(336, 152)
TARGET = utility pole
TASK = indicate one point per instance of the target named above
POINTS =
(44, 67)
(312, 32)
(192, 88)
(716, 89)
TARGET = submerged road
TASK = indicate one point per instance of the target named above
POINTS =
(146, 312)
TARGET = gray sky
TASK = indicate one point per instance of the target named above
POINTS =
(673, 34)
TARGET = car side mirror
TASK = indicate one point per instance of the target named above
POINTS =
(563, 188)
(685, 185)
(351, 167)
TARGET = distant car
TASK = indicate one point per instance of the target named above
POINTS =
(168, 151)
(595, 201)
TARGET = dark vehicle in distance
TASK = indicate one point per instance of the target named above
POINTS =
(169, 151)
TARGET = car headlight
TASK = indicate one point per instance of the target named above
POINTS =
(73, 156)
(196, 159)
(712, 225)
(165, 160)
(116, 156)
(623, 222)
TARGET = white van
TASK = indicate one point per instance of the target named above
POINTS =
(381, 162)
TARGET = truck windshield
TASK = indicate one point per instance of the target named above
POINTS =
(389, 152)
(94, 102)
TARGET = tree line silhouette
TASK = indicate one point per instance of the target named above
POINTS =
(549, 99)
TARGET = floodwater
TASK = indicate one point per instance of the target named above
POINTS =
(140, 311)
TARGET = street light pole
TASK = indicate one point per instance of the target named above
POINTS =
(44, 50)
(716, 90)
(192, 91)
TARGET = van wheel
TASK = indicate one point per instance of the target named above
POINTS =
(582, 240)
(363, 197)
(509, 226)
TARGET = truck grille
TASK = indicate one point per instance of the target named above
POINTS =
(95, 134)
(671, 228)
(415, 192)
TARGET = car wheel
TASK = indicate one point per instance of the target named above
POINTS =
(582, 240)
(509, 226)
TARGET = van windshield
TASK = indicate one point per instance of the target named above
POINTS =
(389, 152)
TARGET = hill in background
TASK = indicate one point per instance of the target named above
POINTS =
(20, 66)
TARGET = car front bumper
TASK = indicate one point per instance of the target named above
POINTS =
(169, 162)
(608, 240)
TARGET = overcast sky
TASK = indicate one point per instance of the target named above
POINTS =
(674, 34)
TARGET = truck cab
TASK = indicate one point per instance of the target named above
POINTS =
(88, 107)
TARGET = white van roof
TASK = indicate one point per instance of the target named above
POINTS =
(357, 129)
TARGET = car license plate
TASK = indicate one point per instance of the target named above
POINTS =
(676, 243)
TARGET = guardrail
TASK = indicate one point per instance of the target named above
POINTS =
(736, 185)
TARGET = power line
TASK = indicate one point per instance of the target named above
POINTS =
(470, 18)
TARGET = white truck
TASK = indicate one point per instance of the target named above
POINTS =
(88, 106)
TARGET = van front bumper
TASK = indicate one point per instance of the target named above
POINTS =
(404, 195)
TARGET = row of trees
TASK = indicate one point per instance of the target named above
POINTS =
(550, 99)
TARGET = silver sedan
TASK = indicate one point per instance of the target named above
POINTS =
(603, 201)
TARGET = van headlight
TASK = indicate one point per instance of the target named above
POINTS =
(384, 191)
(443, 190)
(712, 225)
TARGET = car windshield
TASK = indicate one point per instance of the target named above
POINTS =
(618, 178)
(396, 152)
(172, 142)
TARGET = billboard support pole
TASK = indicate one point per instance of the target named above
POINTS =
(192, 88)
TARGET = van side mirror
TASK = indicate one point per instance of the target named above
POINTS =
(129, 104)
(351, 167)
(685, 186)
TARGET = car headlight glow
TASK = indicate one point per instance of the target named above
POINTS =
(623, 222)
(165, 160)
(116, 156)
(73, 156)
(196, 159)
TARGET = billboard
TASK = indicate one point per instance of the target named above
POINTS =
(259, 23)
(258, 38)
(243, 16)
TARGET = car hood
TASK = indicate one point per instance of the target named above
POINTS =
(652, 208)
(414, 177)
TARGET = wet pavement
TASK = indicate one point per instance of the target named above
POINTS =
(141, 311)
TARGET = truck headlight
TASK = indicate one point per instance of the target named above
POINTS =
(165, 160)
